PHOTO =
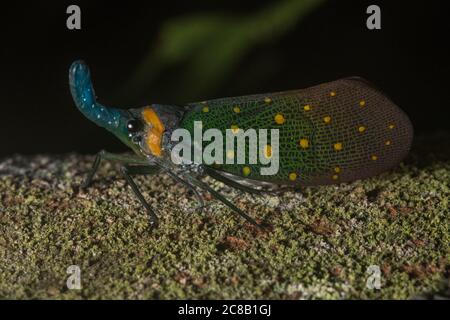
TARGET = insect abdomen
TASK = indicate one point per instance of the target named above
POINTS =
(334, 132)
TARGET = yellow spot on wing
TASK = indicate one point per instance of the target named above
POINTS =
(205, 109)
(362, 103)
(246, 171)
(304, 143)
(362, 129)
(307, 107)
(388, 142)
(292, 176)
(234, 128)
(391, 126)
(267, 100)
(374, 157)
(279, 119)
(268, 151)
(337, 146)
(327, 119)
(236, 109)
(337, 169)
(332, 93)
(335, 177)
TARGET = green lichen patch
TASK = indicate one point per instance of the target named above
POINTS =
(321, 242)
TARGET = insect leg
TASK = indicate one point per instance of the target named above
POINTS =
(232, 183)
(127, 171)
(224, 200)
(103, 155)
(190, 186)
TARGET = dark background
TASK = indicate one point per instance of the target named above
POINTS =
(408, 59)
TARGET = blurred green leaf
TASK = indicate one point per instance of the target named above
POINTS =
(207, 47)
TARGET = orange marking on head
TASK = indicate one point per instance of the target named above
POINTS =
(152, 118)
(154, 134)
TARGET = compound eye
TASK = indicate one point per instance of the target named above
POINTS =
(134, 126)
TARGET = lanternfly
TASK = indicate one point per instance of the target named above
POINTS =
(331, 133)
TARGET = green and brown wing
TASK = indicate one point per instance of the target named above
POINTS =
(334, 132)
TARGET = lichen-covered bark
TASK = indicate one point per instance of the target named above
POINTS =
(322, 240)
